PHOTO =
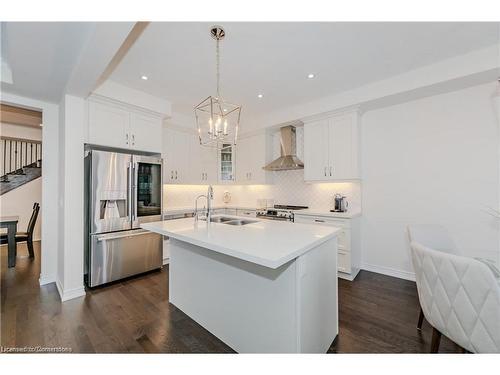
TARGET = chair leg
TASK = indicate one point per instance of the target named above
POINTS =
(30, 248)
(436, 339)
(420, 319)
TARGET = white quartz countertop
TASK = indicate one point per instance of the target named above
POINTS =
(327, 213)
(267, 243)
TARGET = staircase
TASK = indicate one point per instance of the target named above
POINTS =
(21, 162)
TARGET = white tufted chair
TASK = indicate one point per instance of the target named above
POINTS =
(434, 236)
(460, 298)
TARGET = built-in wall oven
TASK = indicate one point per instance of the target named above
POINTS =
(122, 190)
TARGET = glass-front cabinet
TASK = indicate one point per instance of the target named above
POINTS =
(226, 164)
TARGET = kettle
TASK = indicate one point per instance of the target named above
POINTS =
(340, 203)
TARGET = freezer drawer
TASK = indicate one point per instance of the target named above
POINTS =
(114, 256)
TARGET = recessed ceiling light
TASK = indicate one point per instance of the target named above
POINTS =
(145, 78)
(310, 75)
(260, 96)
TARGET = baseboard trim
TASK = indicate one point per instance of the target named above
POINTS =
(348, 276)
(44, 280)
(166, 261)
(67, 295)
(389, 271)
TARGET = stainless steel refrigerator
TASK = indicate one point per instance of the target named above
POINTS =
(122, 190)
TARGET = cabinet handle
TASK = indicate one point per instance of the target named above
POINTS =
(126, 138)
(330, 171)
(176, 175)
(250, 175)
(172, 175)
(133, 139)
(319, 221)
(325, 171)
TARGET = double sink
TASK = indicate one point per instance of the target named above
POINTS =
(231, 220)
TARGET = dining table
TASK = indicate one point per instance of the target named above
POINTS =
(10, 222)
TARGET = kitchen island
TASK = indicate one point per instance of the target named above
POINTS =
(262, 287)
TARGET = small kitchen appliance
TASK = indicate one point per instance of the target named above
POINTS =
(340, 203)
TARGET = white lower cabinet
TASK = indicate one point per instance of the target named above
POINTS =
(349, 246)
(166, 249)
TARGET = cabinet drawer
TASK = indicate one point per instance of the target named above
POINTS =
(344, 261)
(342, 223)
(344, 239)
(344, 236)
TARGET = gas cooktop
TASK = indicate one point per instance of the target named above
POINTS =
(279, 212)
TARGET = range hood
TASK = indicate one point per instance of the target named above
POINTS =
(288, 159)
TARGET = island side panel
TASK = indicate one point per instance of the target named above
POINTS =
(249, 307)
(317, 297)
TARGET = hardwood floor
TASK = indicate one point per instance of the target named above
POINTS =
(378, 314)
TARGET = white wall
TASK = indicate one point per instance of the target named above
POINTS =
(432, 160)
(19, 131)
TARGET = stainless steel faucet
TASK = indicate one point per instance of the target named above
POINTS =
(209, 197)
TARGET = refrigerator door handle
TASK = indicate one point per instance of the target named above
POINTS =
(129, 200)
(134, 191)
(122, 235)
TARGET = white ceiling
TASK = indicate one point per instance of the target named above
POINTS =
(42, 56)
(275, 58)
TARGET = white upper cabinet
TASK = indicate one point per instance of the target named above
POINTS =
(202, 162)
(316, 164)
(108, 125)
(331, 148)
(176, 156)
(253, 153)
(185, 161)
(115, 125)
(145, 133)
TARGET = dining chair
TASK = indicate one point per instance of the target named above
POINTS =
(28, 235)
(434, 236)
(460, 298)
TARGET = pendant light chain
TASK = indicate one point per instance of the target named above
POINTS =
(217, 53)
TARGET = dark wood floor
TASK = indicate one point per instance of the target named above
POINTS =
(378, 314)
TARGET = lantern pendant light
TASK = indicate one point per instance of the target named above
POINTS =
(216, 119)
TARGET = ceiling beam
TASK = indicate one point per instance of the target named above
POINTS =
(20, 116)
(132, 37)
(103, 43)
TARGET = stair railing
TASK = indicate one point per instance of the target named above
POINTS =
(17, 154)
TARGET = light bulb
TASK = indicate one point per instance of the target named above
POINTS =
(217, 125)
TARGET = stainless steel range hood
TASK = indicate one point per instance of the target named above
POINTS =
(288, 159)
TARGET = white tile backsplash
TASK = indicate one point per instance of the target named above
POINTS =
(288, 188)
